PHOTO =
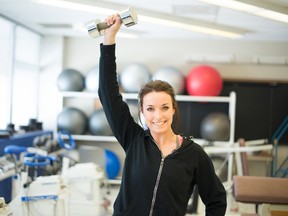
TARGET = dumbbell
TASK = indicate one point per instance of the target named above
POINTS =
(96, 28)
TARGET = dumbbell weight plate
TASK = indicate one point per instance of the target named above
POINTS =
(129, 17)
(92, 28)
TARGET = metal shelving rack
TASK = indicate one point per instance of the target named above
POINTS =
(231, 100)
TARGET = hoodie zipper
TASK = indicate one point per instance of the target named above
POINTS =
(156, 186)
(157, 180)
(159, 175)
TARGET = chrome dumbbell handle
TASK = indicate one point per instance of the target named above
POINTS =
(128, 18)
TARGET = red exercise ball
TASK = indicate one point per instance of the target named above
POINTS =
(204, 80)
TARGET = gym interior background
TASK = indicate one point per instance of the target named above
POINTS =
(31, 63)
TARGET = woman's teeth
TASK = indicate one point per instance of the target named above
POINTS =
(159, 123)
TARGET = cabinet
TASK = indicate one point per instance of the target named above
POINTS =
(92, 96)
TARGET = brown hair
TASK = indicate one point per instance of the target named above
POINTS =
(159, 86)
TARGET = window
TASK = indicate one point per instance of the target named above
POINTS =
(25, 76)
(6, 53)
(19, 73)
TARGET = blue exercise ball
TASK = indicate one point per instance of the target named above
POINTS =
(73, 120)
(173, 76)
(112, 164)
(70, 80)
(215, 127)
(98, 124)
(133, 76)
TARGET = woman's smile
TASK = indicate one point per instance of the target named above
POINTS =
(159, 123)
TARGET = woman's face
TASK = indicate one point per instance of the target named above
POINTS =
(158, 111)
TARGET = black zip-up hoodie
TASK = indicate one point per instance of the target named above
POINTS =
(152, 185)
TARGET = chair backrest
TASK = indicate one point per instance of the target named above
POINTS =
(244, 159)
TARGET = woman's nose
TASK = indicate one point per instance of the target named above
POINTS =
(158, 113)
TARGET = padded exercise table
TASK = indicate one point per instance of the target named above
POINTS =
(269, 192)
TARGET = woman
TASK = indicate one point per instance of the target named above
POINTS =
(161, 167)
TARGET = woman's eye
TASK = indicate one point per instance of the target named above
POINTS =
(165, 108)
(149, 109)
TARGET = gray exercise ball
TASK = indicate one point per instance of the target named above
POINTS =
(98, 124)
(92, 79)
(70, 80)
(72, 120)
(133, 76)
(173, 76)
(133, 107)
(215, 127)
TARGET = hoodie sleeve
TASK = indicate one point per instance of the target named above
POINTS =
(210, 188)
(116, 110)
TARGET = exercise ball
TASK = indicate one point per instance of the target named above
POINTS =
(133, 107)
(70, 80)
(72, 120)
(98, 124)
(173, 76)
(92, 79)
(215, 127)
(133, 76)
(204, 80)
(112, 164)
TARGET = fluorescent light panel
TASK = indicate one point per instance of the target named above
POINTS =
(149, 19)
(253, 7)
(75, 6)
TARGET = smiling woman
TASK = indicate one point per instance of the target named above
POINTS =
(158, 108)
(161, 167)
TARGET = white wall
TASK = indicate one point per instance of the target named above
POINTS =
(83, 53)
(51, 65)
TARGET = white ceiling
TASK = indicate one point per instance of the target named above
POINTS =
(49, 20)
